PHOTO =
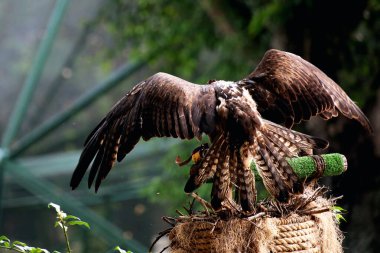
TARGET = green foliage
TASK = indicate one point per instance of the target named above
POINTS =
(63, 220)
(148, 26)
(262, 18)
(18, 246)
(338, 213)
(196, 40)
(120, 250)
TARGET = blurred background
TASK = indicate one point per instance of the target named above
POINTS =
(65, 63)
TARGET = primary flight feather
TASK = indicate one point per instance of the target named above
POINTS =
(284, 88)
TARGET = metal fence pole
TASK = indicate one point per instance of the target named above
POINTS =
(30, 83)
(35, 73)
(48, 126)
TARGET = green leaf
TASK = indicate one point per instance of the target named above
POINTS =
(20, 248)
(71, 217)
(339, 218)
(18, 243)
(5, 245)
(57, 223)
(79, 223)
(120, 250)
(3, 239)
(338, 209)
(37, 250)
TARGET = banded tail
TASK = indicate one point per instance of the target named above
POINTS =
(228, 166)
(275, 143)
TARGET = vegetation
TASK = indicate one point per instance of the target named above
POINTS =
(64, 221)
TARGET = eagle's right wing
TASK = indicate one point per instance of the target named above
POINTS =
(162, 105)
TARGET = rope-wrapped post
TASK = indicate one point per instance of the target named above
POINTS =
(306, 224)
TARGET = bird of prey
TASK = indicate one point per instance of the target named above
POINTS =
(284, 88)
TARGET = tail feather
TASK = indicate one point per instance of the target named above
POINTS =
(272, 179)
(246, 179)
(302, 141)
(221, 182)
(282, 146)
(233, 166)
(210, 161)
(287, 174)
(274, 144)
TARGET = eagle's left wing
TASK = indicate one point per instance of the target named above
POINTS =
(162, 105)
(289, 89)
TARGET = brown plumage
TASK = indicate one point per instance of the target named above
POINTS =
(284, 87)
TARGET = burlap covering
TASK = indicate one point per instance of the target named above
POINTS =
(317, 232)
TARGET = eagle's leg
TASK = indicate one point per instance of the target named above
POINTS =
(197, 156)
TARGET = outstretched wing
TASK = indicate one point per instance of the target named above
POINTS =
(288, 89)
(162, 105)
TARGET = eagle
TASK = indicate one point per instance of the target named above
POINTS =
(247, 121)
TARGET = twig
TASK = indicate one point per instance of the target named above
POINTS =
(191, 206)
(203, 202)
(316, 210)
(179, 212)
(317, 192)
(171, 221)
(258, 215)
(214, 226)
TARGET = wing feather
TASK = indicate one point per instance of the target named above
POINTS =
(177, 122)
(182, 122)
(292, 89)
(162, 105)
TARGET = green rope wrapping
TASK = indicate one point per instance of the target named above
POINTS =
(306, 166)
